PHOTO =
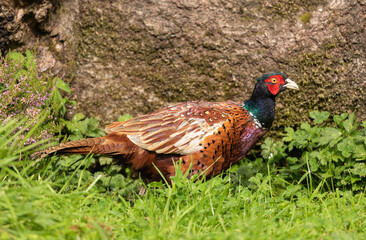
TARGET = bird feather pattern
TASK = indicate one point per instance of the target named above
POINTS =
(175, 130)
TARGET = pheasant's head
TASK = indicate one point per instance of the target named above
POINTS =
(272, 83)
(262, 103)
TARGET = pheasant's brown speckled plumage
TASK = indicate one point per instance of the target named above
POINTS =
(208, 136)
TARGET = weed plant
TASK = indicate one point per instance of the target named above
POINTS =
(26, 94)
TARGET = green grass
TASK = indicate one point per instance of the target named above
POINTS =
(36, 204)
(87, 197)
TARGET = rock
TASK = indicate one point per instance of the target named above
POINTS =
(137, 56)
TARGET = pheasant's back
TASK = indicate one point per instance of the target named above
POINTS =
(216, 135)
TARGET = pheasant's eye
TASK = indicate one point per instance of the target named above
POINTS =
(274, 80)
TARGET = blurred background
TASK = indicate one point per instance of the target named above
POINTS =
(137, 56)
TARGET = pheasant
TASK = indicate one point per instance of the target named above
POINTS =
(207, 137)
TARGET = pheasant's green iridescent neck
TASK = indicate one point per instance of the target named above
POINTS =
(262, 110)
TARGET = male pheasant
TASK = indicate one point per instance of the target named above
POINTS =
(208, 136)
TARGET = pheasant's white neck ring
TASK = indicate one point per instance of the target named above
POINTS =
(256, 121)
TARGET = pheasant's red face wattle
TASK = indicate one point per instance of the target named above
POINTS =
(274, 83)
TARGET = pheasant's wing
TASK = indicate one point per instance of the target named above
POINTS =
(178, 129)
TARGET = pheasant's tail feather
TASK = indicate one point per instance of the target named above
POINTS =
(83, 146)
(103, 145)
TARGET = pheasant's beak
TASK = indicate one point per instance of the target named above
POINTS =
(291, 84)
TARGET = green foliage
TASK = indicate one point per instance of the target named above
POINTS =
(58, 102)
(9, 148)
(24, 93)
(80, 127)
(325, 155)
(319, 117)
(124, 117)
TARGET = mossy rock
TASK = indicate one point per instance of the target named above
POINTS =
(137, 56)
